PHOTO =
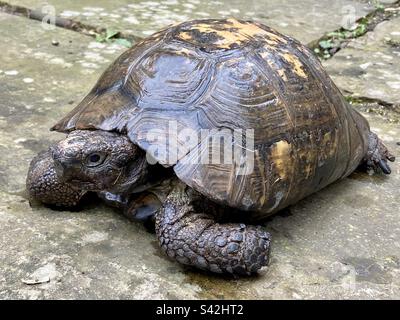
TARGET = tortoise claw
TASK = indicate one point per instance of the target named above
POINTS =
(384, 166)
(378, 155)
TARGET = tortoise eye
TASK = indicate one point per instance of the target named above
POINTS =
(95, 159)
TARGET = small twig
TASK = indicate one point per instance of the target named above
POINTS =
(65, 23)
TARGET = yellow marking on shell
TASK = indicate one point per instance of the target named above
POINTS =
(327, 137)
(245, 31)
(263, 178)
(267, 56)
(329, 144)
(185, 35)
(184, 51)
(282, 74)
(306, 160)
(280, 156)
(295, 63)
(308, 157)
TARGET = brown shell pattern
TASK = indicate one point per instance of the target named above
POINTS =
(231, 74)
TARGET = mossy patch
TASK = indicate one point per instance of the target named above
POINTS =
(332, 42)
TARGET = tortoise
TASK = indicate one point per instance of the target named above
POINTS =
(228, 83)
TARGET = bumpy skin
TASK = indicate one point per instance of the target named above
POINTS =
(230, 74)
(190, 237)
(120, 166)
(187, 224)
(211, 74)
(196, 239)
(44, 185)
(377, 155)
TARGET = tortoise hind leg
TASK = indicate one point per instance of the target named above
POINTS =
(196, 239)
(377, 155)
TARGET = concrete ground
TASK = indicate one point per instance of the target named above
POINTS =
(342, 242)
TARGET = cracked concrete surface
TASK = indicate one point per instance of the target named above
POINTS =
(306, 20)
(370, 65)
(342, 242)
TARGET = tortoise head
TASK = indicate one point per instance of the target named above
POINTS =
(99, 160)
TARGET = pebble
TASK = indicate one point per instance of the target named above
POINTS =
(11, 72)
(57, 61)
(96, 45)
(94, 9)
(132, 20)
(89, 65)
(68, 13)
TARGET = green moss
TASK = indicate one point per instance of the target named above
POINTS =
(333, 41)
(378, 5)
(113, 36)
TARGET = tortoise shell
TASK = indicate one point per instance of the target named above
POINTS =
(226, 75)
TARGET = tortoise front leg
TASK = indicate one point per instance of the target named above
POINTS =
(196, 239)
(44, 186)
